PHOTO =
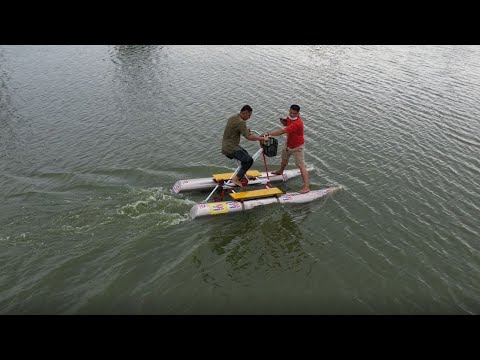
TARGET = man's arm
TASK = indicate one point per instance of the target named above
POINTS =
(276, 132)
(256, 138)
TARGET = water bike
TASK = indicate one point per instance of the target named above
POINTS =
(248, 199)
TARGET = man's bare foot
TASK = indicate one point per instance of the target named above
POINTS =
(237, 182)
(304, 190)
(277, 172)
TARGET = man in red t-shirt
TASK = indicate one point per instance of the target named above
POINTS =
(295, 144)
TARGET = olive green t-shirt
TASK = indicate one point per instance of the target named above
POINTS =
(235, 127)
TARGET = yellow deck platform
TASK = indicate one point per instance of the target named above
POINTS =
(255, 194)
(226, 176)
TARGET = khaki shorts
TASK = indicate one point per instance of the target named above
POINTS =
(297, 153)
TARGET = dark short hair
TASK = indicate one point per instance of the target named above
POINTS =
(247, 108)
(295, 107)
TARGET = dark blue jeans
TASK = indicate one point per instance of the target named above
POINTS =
(244, 158)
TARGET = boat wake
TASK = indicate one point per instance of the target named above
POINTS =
(156, 203)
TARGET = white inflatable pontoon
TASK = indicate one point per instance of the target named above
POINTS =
(224, 207)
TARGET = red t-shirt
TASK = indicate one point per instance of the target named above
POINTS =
(295, 132)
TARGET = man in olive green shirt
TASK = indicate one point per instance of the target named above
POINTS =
(236, 126)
